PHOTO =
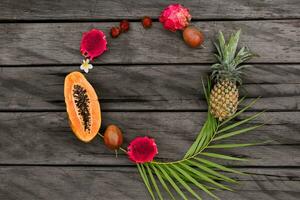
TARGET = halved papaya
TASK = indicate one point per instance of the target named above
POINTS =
(83, 107)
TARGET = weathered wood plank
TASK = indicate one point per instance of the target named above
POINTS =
(151, 87)
(108, 10)
(124, 183)
(58, 43)
(45, 138)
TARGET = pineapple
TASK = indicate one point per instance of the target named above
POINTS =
(226, 75)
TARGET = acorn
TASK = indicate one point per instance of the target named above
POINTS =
(113, 137)
(193, 37)
(124, 25)
(147, 22)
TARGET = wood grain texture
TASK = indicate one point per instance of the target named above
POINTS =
(149, 84)
(45, 138)
(29, 183)
(110, 10)
(58, 43)
(151, 87)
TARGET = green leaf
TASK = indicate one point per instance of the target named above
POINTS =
(199, 185)
(205, 177)
(232, 45)
(221, 43)
(145, 174)
(145, 179)
(213, 172)
(205, 133)
(205, 90)
(221, 167)
(195, 170)
(193, 180)
(173, 184)
(239, 112)
(227, 146)
(204, 137)
(153, 181)
(184, 184)
(209, 130)
(239, 123)
(243, 55)
(244, 66)
(205, 173)
(237, 132)
(194, 146)
(163, 183)
(199, 141)
(218, 146)
(219, 52)
(225, 157)
(241, 100)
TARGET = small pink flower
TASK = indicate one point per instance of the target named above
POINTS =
(93, 43)
(175, 17)
(142, 149)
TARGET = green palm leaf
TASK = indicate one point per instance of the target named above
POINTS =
(210, 171)
(220, 167)
(160, 178)
(196, 168)
(204, 177)
(145, 179)
(203, 137)
(194, 181)
(239, 123)
(237, 132)
(183, 183)
(227, 146)
(173, 184)
(239, 112)
(153, 181)
(225, 157)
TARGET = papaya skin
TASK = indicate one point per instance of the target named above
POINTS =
(75, 119)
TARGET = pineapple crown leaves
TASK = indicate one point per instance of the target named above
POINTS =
(197, 169)
(229, 62)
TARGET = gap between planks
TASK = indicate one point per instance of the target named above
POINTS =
(17, 21)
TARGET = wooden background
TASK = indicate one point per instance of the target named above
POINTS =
(149, 83)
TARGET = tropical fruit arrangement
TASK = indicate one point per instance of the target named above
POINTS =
(196, 170)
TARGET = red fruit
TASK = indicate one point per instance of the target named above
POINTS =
(115, 32)
(124, 25)
(147, 22)
(193, 37)
(142, 149)
(113, 137)
(93, 44)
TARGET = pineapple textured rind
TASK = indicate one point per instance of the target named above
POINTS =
(224, 99)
